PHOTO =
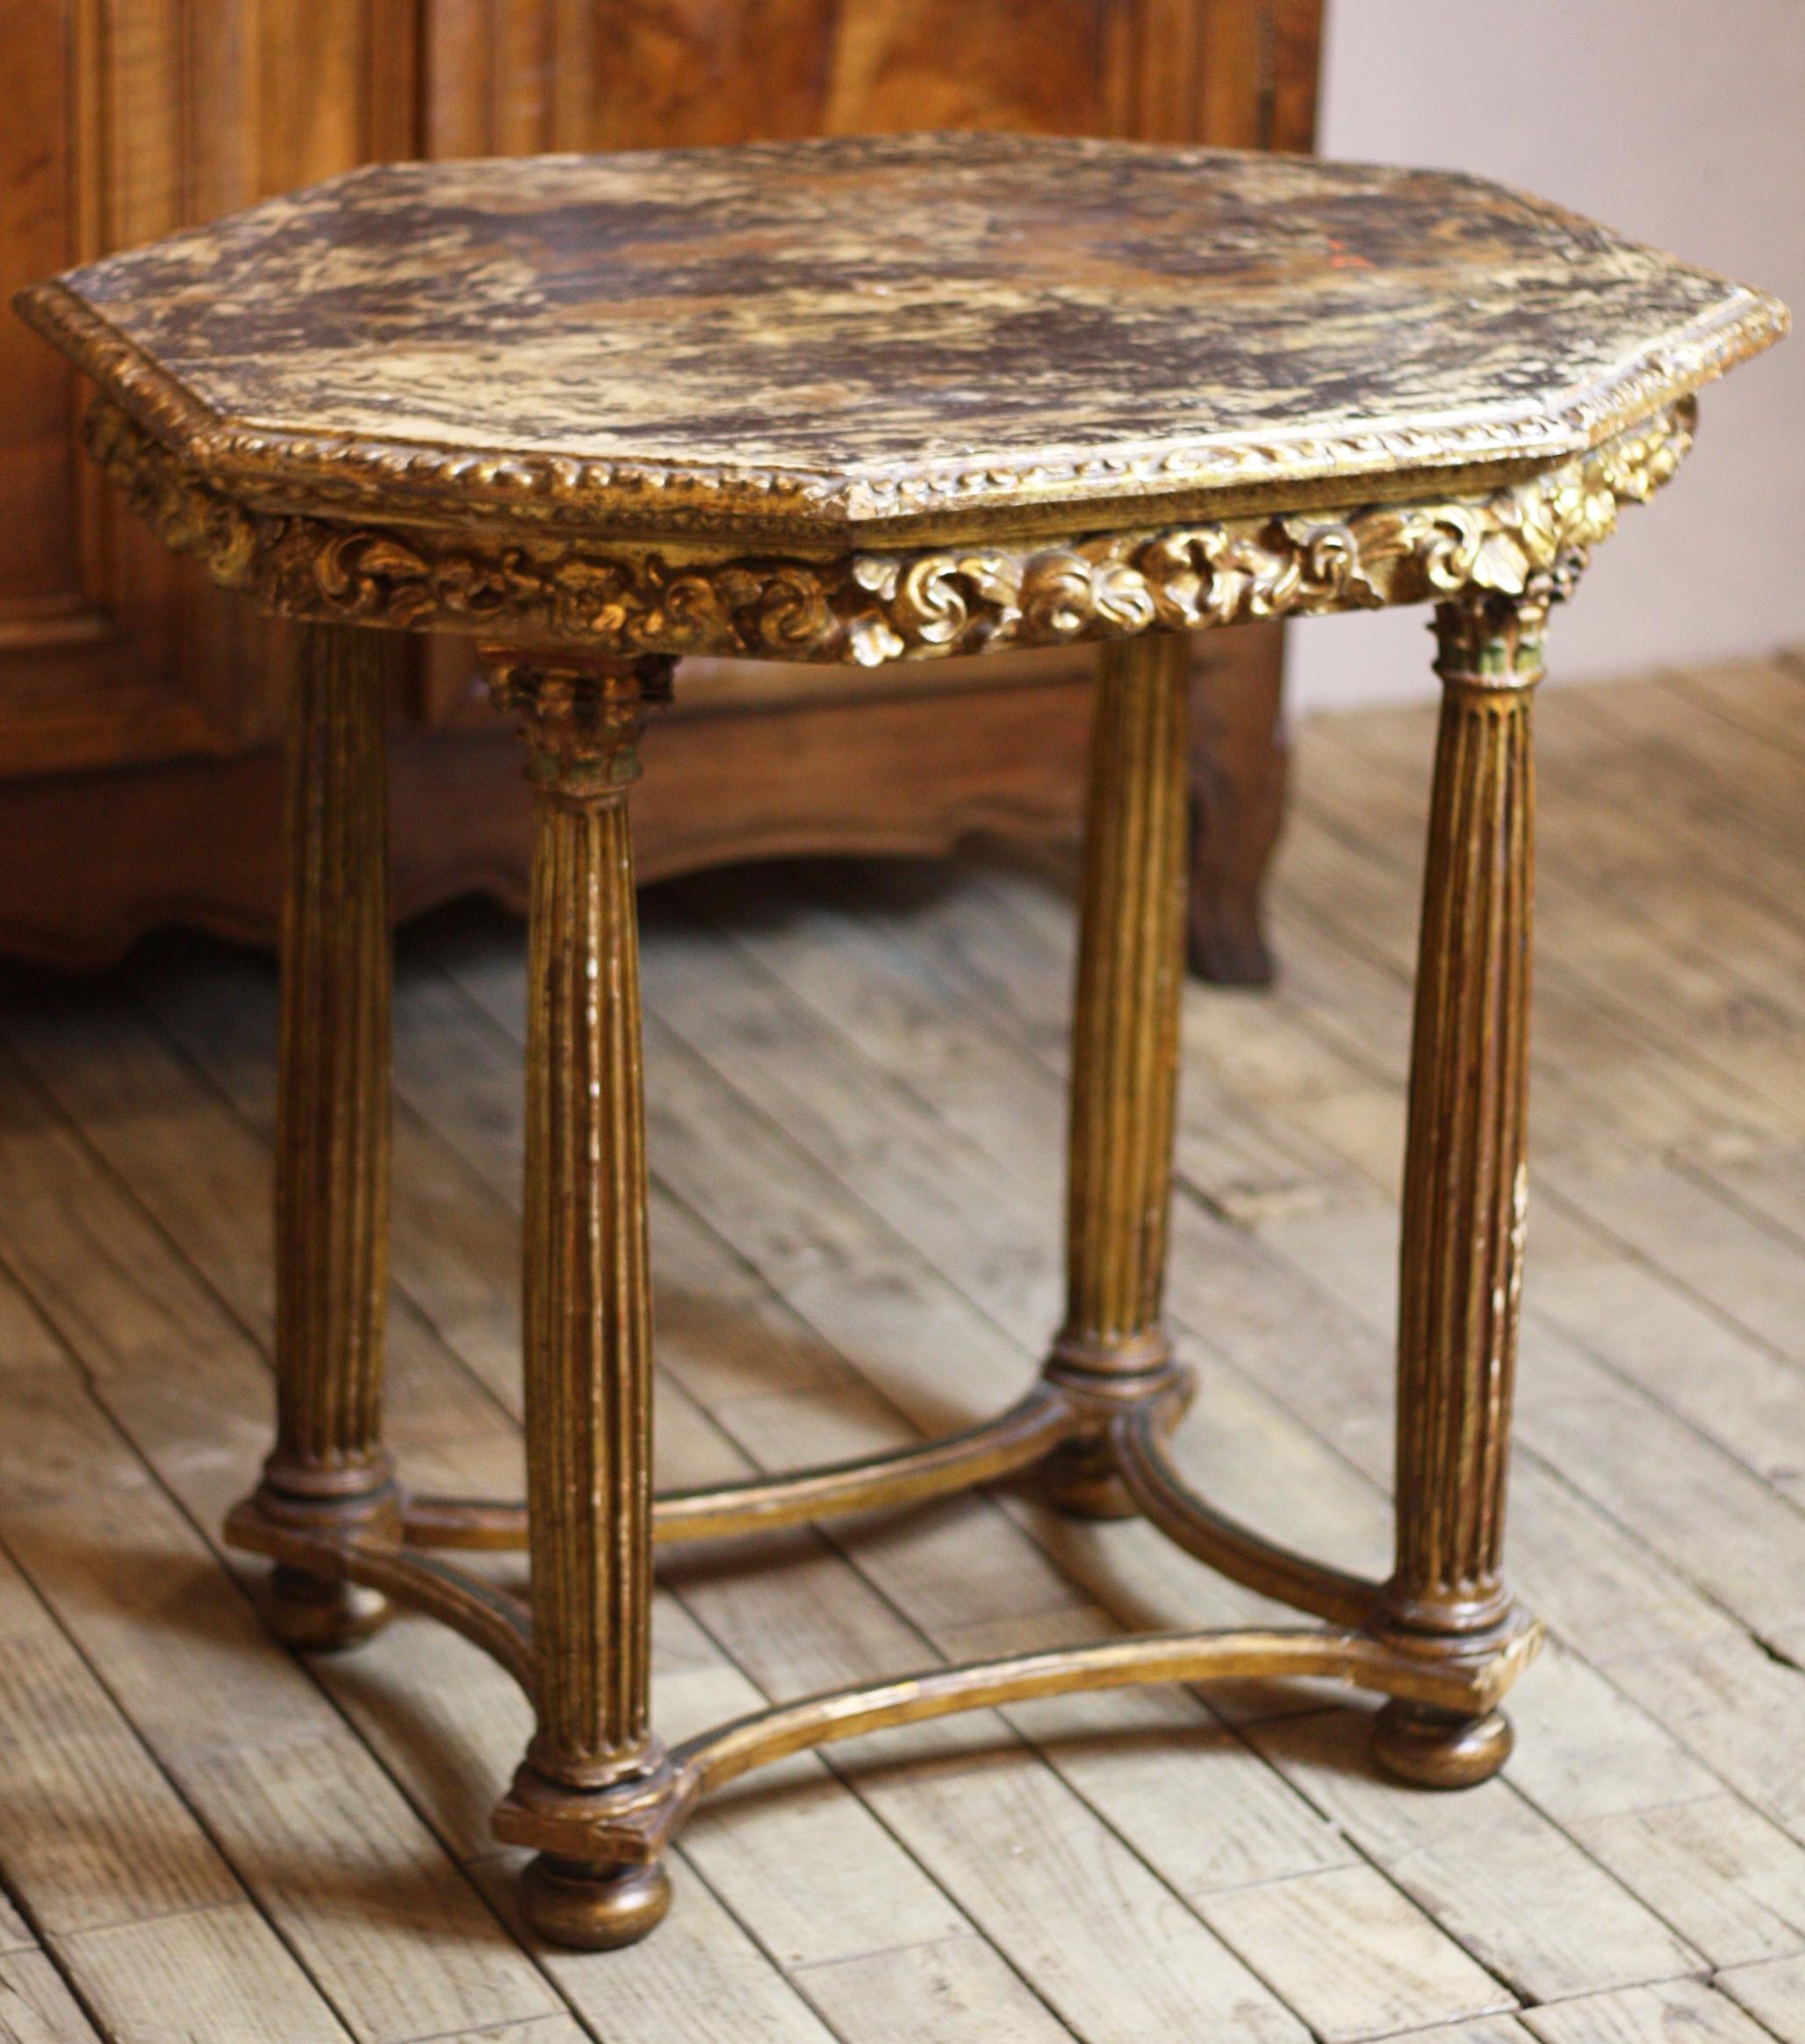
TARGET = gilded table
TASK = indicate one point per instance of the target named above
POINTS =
(883, 401)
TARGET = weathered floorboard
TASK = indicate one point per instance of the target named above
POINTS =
(855, 1089)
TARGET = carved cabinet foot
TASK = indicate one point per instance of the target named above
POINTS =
(1239, 761)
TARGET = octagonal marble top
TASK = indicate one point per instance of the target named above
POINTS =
(846, 335)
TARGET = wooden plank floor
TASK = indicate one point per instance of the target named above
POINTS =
(855, 1077)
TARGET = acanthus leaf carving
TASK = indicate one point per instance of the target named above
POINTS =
(1529, 537)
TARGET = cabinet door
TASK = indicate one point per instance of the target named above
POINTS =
(507, 75)
(126, 119)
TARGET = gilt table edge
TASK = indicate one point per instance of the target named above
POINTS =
(873, 606)
(955, 500)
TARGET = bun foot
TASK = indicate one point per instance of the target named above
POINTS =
(313, 1614)
(1439, 1749)
(594, 1908)
(1080, 1480)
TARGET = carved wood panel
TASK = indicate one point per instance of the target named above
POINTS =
(128, 119)
(506, 77)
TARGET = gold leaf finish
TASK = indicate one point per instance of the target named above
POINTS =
(876, 608)
(887, 400)
(329, 1469)
(1465, 1177)
(585, 1277)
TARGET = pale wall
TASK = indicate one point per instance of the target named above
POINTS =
(1681, 122)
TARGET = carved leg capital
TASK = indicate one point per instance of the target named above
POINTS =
(581, 714)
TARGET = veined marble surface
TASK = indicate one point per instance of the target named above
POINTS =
(874, 328)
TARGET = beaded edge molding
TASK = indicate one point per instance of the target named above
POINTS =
(384, 479)
(1527, 539)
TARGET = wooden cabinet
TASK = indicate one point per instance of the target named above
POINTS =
(140, 710)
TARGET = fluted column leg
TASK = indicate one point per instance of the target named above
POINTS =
(1464, 1181)
(1113, 1349)
(331, 1143)
(594, 1767)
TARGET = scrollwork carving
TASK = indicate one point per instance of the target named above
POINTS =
(1186, 577)
(1532, 535)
